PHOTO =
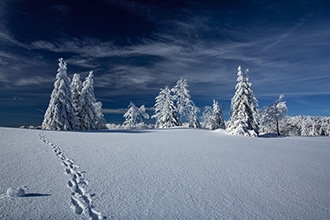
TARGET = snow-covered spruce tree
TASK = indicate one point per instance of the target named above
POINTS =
(60, 113)
(243, 110)
(165, 110)
(90, 110)
(181, 96)
(207, 118)
(218, 120)
(325, 126)
(100, 121)
(134, 116)
(272, 118)
(213, 117)
(76, 86)
(193, 119)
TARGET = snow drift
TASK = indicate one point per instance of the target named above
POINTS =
(163, 174)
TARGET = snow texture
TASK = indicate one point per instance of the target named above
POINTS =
(177, 173)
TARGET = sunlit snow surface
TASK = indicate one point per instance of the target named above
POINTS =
(163, 174)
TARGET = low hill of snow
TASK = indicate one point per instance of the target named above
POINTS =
(162, 174)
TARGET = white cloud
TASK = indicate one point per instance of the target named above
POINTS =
(121, 111)
(114, 111)
(35, 80)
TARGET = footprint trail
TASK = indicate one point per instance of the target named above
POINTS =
(81, 199)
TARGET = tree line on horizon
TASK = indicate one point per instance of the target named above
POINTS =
(73, 106)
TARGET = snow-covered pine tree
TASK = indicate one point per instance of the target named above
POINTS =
(100, 121)
(76, 86)
(213, 117)
(91, 114)
(243, 110)
(219, 122)
(165, 110)
(60, 113)
(181, 96)
(193, 119)
(207, 118)
(134, 116)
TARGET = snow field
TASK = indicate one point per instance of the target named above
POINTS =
(26, 162)
(81, 199)
(164, 174)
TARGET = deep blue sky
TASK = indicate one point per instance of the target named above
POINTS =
(137, 47)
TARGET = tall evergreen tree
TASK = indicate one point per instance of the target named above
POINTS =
(100, 121)
(60, 113)
(218, 121)
(76, 86)
(243, 110)
(213, 117)
(181, 96)
(91, 114)
(208, 118)
(165, 110)
(193, 119)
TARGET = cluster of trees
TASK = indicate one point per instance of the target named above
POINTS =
(174, 105)
(297, 126)
(246, 119)
(171, 108)
(309, 125)
(306, 126)
(72, 104)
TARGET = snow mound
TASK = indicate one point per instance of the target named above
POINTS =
(15, 192)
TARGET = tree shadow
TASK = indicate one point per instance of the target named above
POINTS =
(35, 195)
(136, 131)
(271, 135)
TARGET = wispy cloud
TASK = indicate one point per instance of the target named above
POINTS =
(197, 49)
(121, 111)
(201, 61)
(35, 80)
(118, 111)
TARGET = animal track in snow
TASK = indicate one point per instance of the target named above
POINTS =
(81, 199)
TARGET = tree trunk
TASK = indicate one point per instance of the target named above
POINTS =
(277, 128)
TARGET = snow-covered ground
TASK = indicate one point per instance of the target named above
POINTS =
(162, 174)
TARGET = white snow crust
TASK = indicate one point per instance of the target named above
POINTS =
(163, 174)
